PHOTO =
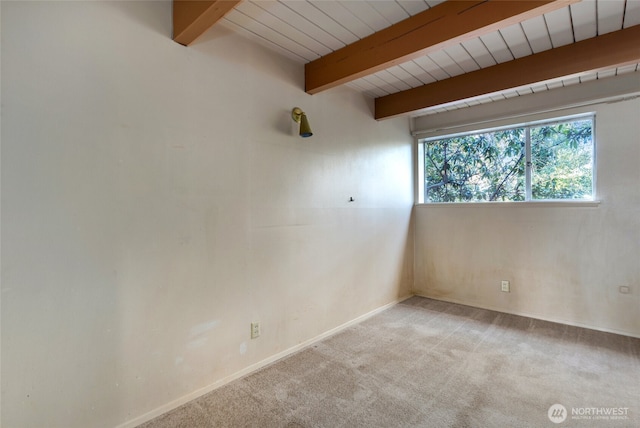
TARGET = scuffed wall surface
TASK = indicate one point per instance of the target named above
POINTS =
(565, 263)
(156, 200)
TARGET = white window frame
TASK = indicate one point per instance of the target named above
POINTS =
(420, 143)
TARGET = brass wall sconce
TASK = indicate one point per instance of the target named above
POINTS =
(299, 117)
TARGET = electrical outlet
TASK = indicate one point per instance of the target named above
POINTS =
(624, 289)
(255, 330)
(505, 286)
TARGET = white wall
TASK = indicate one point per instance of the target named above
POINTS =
(565, 263)
(156, 200)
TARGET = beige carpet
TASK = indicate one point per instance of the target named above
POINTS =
(425, 363)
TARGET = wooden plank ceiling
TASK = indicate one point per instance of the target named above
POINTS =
(536, 46)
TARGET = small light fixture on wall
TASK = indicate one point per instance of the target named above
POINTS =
(299, 117)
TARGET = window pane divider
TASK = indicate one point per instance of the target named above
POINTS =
(528, 165)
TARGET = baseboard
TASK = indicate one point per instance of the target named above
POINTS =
(530, 315)
(202, 391)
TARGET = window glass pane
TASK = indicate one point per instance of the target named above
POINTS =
(562, 161)
(479, 167)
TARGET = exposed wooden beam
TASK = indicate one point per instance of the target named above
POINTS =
(443, 25)
(610, 50)
(484, 116)
(191, 18)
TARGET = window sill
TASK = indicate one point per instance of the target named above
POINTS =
(527, 204)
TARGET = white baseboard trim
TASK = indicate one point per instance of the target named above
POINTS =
(529, 315)
(249, 369)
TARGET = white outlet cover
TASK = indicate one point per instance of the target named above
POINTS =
(255, 330)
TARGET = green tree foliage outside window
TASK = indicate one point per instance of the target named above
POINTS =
(492, 166)
(562, 161)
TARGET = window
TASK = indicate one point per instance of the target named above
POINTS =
(537, 162)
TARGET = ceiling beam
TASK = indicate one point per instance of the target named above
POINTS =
(609, 50)
(443, 25)
(514, 109)
(191, 18)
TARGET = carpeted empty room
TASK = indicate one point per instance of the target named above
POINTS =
(319, 213)
(427, 363)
